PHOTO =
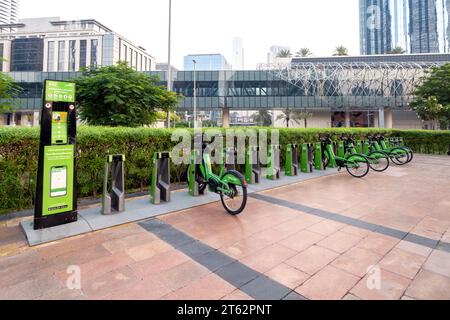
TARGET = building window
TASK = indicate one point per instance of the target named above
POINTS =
(145, 64)
(94, 50)
(125, 56)
(61, 55)
(27, 54)
(51, 56)
(83, 53)
(131, 57)
(137, 62)
(72, 55)
(142, 62)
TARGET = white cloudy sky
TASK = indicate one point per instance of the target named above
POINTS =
(208, 26)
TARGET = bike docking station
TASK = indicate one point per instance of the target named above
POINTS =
(193, 174)
(252, 165)
(318, 157)
(114, 191)
(292, 160)
(307, 158)
(56, 192)
(274, 169)
(160, 189)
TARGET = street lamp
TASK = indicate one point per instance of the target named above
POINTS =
(169, 67)
(195, 94)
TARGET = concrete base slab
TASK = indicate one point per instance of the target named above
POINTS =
(91, 219)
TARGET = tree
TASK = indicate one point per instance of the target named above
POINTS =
(397, 50)
(340, 51)
(9, 91)
(120, 96)
(290, 116)
(305, 116)
(263, 118)
(304, 52)
(434, 91)
(284, 54)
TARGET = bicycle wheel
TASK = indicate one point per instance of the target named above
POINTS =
(378, 161)
(357, 166)
(235, 202)
(399, 156)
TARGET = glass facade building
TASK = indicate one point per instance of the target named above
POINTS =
(206, 62)
(9, 11)
(417, 26)
(27, 54)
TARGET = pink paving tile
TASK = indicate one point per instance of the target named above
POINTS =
(117, 280)
(414, 248)
(439, 262)
(160, 263)
(326, 227)
(378, 243)
(302, 240)
(182, 275)
(381, 285)
(429, 286)
(268, 258)
(127, 242)
(340, 242)
(210, 287)
(288, 276)
(237, 295)
(357, 261)
(144, 289)
(246, 247)
(148, 250)
(329, 284)
(402, 263)
(312, 259)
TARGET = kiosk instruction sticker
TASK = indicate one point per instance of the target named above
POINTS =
(57, 91)
(59, 127)
(58, 179)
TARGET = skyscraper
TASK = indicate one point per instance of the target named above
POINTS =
(428, 25)
(9, 11)
(417, 26)
(375, 26)
(238, 54)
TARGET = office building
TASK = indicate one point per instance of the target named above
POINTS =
(361, 91)
(238, 54)
(206, 62)
(53, 45)
(417, 26)
(9, 11)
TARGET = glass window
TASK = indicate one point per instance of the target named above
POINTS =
(94, 50)
(1, 55)
(61, 55)
(51, 57)
(72, 55)
(131, 57)
(125, 57)
(83, 53)
(27, 54)
(141, 62)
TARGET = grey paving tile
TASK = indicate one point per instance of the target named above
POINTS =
(264, 288)
(194, 249)
(430, 243)
(294, 296)
(237, 274)
(392, 232)
(214, 260)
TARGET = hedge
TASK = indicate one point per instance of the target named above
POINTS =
(19, 156)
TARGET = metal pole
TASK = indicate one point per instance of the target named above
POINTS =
(195, 94)
(169, 66)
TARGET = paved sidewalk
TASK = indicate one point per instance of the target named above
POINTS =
(384, 237)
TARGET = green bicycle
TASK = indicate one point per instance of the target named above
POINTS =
(398, 155)
(356, 165)
(378, 161)
(231, 186)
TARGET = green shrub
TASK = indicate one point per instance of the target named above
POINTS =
(19, 156)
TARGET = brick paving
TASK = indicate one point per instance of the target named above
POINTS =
(325, 247)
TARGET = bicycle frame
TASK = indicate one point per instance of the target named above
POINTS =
(212, 179)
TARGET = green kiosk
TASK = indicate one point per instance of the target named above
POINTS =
(56, 196)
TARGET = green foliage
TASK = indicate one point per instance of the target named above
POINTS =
(9, 91)
(397, 50)
(284, 54)
(263, 118)
(340, 51)
(304, 52)
(432, 98)
(120, 96)
(19, 149)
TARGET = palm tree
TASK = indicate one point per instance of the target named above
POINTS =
(304, 52)
(289, 116)
(263, 118)
(397, 50)
(284, 54)
(305, 115)
(340, 51)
